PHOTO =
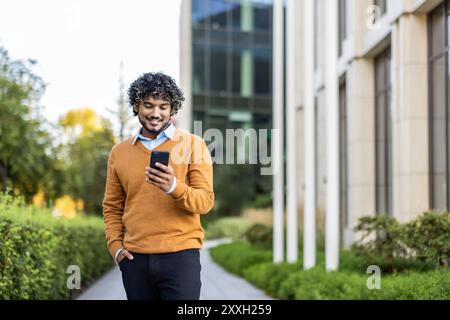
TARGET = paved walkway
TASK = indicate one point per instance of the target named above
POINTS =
(217, 284)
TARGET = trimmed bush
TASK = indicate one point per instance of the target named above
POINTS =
(231, 227)
(433, 285)
(269, 277)
(285, 281)
(260, 236)
(239, 256)
(36, 249)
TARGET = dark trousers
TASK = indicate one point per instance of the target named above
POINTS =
(162, 276)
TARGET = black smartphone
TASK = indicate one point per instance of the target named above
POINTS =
(159, 156)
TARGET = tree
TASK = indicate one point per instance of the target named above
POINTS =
(26, 151)
(86, 156)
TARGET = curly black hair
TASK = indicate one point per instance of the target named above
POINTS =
(158, 86)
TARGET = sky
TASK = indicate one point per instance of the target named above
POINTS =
(79, 45)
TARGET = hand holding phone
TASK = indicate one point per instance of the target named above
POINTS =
(160, 157)
(157, 176)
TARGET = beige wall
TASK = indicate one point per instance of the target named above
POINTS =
(404, 28)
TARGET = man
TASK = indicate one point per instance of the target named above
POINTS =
(152, 217)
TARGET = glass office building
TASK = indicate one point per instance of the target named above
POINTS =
(227, 76)
(232, 63)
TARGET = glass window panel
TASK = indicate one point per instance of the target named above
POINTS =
(448, 23)
(439, 132)
(262, 39)
(240, 103)
(235, 8)
(438, 31)
(200, 13)
(219, 37)
(262, 121)
(262, 71)
(262, 104)
(199, 35)
(343, 154)
(218, 10)
(383, 127)
(236, 70)
(262, 17)
(448, 118)
(218, 102)
(198, 84)
(218, 69)
(200, 101)
(342, 24)
(240, 39)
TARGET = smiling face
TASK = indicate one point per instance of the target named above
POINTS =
(154, 116)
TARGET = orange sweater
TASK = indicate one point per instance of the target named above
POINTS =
(140, 217)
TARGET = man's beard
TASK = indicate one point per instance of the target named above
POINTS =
(156, 132)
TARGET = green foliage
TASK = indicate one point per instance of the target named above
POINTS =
(261, 201)
(86, 155)
(239, 256)
(87, 166)
(269, 276)
(230, 227)
(238, 186)
(36, 249)
(420, 244)
(316, 283)
(433, 285)
(27, 162)
(380, 238)
(428, 237)
(290, 281)
(233, 185)
(31, 159)
(260, 235)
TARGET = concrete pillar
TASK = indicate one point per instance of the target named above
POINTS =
(361, 143)
(291, 128)
(277, 140)
(309, 225)
(360, 124)
(410, 116)
(332, 101)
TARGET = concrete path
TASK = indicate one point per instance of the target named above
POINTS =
(217, 284)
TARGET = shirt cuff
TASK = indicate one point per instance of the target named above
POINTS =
(117, 253)
(172, 187)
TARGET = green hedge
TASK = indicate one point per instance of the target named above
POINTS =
(36, 249)
(239, 256)
(285, 281)
(230, 227)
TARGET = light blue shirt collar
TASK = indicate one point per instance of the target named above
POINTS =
(168, 133)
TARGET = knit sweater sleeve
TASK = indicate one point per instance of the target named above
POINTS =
(113, 207)
(197, 195)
